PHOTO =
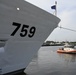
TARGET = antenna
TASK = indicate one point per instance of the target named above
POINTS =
(56, 8)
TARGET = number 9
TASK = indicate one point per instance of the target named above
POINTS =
(32, 32)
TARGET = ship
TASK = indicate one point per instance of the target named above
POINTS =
(68, 49)
(23, 29)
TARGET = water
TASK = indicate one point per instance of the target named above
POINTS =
(48, 62)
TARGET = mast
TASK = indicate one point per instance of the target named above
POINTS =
(56, 8)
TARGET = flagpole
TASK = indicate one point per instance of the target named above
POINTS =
(56, 8)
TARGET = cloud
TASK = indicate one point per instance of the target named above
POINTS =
(68, 19)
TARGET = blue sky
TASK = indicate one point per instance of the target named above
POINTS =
(66, 11)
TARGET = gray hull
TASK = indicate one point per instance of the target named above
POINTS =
(24, 27)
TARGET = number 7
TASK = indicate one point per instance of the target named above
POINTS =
(18, 26)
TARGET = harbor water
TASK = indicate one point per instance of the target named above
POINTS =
(48, 62)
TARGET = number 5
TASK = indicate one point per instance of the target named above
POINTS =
(24, 30)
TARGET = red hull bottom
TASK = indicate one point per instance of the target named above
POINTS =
(68, 52)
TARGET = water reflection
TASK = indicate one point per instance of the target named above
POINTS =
(68, 57)
(48, 62)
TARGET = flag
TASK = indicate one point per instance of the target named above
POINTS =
(53, 7)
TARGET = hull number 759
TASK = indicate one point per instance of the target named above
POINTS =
(26, 30)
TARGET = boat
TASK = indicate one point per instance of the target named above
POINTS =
(23, 29)
(68, 48)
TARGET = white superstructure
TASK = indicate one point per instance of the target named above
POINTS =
(24, 27)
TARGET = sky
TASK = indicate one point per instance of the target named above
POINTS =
(66, 11)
